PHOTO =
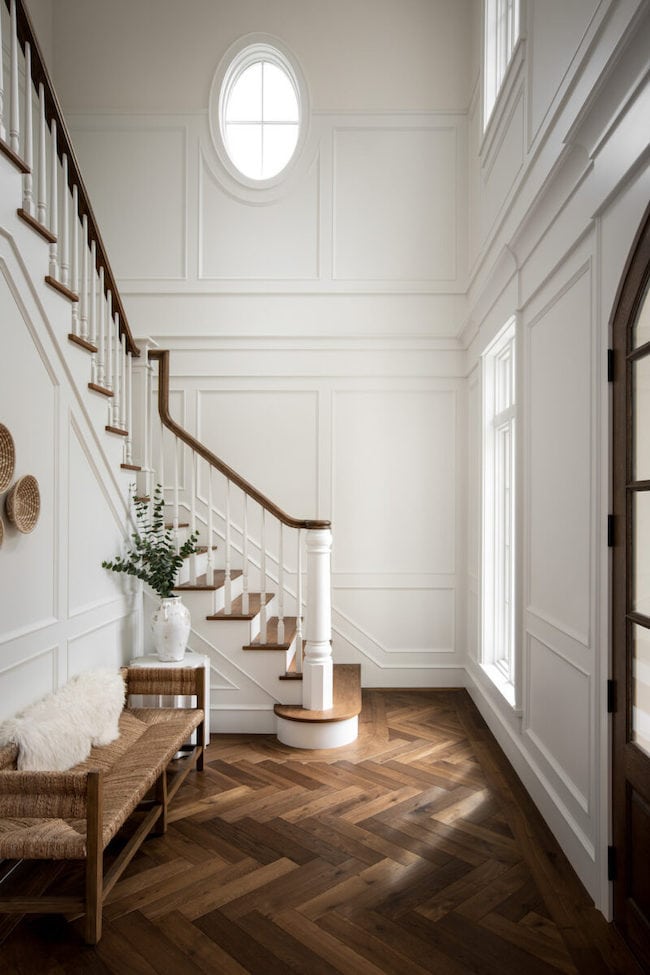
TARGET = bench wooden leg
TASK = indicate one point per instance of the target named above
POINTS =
(161, 797)
(94, 860)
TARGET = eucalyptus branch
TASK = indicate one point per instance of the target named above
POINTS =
(152, 555)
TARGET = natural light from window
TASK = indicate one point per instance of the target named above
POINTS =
(501, 28)
(260, 115)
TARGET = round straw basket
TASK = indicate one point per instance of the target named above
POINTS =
(23, 504)
(7, 457)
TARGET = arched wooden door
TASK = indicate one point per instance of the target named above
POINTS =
(631, 600)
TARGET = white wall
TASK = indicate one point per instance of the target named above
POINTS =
(60, 612)
(312, 326)
(559, 184)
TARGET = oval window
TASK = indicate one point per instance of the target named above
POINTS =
(260, 112)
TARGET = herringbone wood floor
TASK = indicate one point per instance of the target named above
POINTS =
(415, 850)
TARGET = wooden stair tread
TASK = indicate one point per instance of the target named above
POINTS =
(254, 606)
(100, 389)
(61, 288)
(130, 467)
(347, 699)
(36, 225)
(201, 583)
(272, 635)
(82, 343)
(116, 430)
(17, 160)
(292, 673)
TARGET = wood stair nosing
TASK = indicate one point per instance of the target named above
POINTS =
(100, 389)
(36, 225)
(272, 636)
(130, 467)
(201, 584)
(237, 611)
(61, 288)
(82, 343)
(116, 430)
(347, 699)
(17, 160)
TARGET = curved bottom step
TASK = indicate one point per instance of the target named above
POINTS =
(300, 728)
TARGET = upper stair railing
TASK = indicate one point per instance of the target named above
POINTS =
(55, 203)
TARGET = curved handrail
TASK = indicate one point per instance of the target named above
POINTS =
(162, 357)
(40, 74)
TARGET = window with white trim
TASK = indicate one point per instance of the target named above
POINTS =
(260, 112)
(499, 509)
(501, 33)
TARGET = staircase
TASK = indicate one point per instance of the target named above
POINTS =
(258, 588)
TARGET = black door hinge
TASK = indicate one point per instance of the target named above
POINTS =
(611, 863)
(610, 531)
(610, 365)
(611, 696)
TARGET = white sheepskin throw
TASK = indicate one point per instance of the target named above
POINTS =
(58, 731)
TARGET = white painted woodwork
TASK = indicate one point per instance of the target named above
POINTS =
(245, 557)
(118, 389)
(14, 83)
(317, 663)
(54, 199)
(281, 583)
(299, 617)
(74, 259)
(64, 225)
(28, 153)
(92, 313)
(161, 459)
(102, 378)
(128, 359)
(228, 565)
(264, 616)
(193, 462)
(41, 207)
(178, 446)
(84, 284)
(107, 307)
(209, 574)
(325, 734)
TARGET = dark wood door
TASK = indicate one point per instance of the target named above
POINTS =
(631, 600)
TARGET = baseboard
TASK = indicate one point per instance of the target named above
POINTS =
(242, 721)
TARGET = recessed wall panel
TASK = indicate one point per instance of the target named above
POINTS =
(402, 620)
(559, 446)
(394, 481)
(27, 681)
(278, 241)
(395, 204)
(558, 715)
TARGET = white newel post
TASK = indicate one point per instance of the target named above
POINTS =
(318, 668)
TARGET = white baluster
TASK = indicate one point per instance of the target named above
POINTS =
(317, 666)
(28, 155)
(281, 586)
(64, 228)
(299, 605)
(114, 324)
(227, 579)
(3, 131)
(83, 291)
(148, 421)
(101, 334)
(108, 359)
(123, 397)
(129, 415)
(41, 205)
(54, 201)
(14, 116)
(209, 567)
(263, 613)
(193, 459)
(175, 517)
(74, 262)
(244, 598)
(92, 314)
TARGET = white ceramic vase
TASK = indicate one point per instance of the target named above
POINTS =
(170, 625)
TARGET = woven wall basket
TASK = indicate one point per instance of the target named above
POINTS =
(7, 457)
(23, 504)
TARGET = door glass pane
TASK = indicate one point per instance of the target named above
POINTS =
(641, 379)
(641, 330)
(641, 688)
(641, 550)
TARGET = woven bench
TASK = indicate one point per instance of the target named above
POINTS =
(74, 815)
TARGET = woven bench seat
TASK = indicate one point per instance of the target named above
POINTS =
(74, 815)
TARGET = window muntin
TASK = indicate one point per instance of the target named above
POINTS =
(499, 510)
(501, 30)
(260, 112)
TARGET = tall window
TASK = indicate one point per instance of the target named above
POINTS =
(501, 29)
(499, 524)
(259, 112)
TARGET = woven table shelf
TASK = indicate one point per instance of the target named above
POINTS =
(7, 457)
(23, 504)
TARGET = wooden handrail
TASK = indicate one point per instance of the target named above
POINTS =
(53, 110)
(162, 357)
